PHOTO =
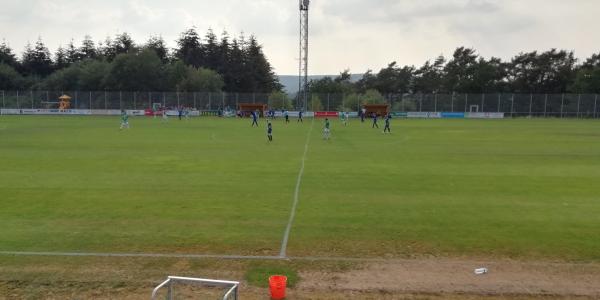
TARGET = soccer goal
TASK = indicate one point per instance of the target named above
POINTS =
(176, 287)
(474, 108)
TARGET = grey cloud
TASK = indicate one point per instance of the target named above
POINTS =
(358, 34)
(378, 11)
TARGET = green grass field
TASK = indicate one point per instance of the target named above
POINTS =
(525, 189)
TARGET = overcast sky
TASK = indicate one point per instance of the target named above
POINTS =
(344, 34)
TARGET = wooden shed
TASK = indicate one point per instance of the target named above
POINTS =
(246, 108)
(379, 109)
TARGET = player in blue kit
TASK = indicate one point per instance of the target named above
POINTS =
(254, 119)
(374, 115)
(269, 131)
(387, 124)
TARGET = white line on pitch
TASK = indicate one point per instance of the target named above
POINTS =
(194, 256)
(286, 235)
(165, 255)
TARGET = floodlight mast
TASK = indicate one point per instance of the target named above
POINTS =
(303, 62)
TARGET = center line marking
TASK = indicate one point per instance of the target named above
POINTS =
(286, 235)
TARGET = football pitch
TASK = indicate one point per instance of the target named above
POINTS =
(522, 188)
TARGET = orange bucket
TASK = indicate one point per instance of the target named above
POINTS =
(277, 286)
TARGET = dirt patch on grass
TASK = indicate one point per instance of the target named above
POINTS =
(435, 276)
(423, 278)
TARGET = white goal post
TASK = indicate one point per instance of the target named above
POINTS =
(230, 286)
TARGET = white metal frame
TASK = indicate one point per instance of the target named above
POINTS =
(231, 286)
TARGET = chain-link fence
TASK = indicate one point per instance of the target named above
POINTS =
(513, 105)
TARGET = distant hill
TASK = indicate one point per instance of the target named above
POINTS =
(290, 82)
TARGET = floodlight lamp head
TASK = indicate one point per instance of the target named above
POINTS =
(304, 4)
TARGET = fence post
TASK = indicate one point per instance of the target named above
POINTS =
(90, 102)
(31, 96)
(223, 101)
(482, 102)
(452, 103)
(499, 96)
(578, 102)
(562, 103)
(327, 102)
(177, 95)
(435, 102)
(210, 100)
(402, 102)
(195, 100)
(150, 101)
(466, 100)
(530, 103)
(76, 100)
(421, 103)
(3, 99)
(18, 105)
(120, 100)
(237, 100)
(512, 105)
(164, 100)
(545, 104)
(595, 100)
(105, 100)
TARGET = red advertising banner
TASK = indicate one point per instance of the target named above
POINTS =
(323, 114)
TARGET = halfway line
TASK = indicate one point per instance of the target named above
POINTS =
(286, 235)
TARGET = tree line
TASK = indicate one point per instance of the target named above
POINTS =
(553, 71)
(208, 64)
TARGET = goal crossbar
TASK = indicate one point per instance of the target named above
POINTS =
(231, 286)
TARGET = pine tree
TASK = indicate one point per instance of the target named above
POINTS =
(60, 58)
(157, 44)
(234, 76)
(37, 61)
(224, 49)
(428, 78)
(88, 48)
(211, 49)
(189, 49)
(263, 78)
(7, 56)
(72, 53)
(107, 50)
(459, 71)
(123, 43)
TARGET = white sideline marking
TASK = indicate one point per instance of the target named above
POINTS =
(108, 254)
(197, 256)
(286, 235)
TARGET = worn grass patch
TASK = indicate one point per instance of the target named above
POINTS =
(258, 273)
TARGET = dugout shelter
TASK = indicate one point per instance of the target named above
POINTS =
(246, 109)
(379, 109)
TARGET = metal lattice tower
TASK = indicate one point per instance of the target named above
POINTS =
(303, 65)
